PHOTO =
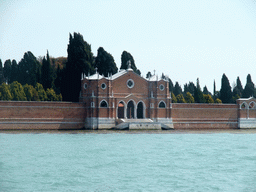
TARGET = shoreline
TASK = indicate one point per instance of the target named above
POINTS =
(105, 131)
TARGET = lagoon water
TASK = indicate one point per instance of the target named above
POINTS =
(121, 161)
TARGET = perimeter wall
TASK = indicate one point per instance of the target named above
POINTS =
(41, 115)
(204, 116)
(67, 115)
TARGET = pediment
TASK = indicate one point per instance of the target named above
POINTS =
(131, 96)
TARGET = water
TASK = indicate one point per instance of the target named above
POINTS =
(128, 162)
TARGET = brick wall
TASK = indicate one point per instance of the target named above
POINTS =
(204, 116)
(41, 115)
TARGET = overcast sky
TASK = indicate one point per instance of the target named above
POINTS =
(183, 39)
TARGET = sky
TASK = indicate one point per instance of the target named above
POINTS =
(183, 39)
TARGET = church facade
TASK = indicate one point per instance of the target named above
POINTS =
(124, 95)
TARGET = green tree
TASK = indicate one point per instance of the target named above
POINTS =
(214, 89)
(7, 70)
(125, 57)
(189, 88)
(170, 85)
(174, 100)
(177, 89)
(249, 89)
(208, 98)
(58, 80)
(80, 60)
(105, 63)
(1, 72)
(217, 101)
(14, 71)
(205, 91)
(41, 92)
(5, 92)
(17, 91)
(28, 69)
(47, 72)
(189, 98)
(198, 94)
(31, 93)
(237, 91)
(51, 95)
(148, 75)
(225, 91)
(180, 98)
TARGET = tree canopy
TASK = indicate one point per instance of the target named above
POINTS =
(105, 63)
(80, 60)
(225, 91)
(125, 57)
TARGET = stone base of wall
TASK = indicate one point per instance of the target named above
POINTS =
(244, 123)
(145, 126)
(166, 121)
(99, 123)
(205, 125)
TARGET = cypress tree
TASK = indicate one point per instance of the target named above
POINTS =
(237, 91)
(105, 63)
(80, 60)
(1, 72)
(125, 57)
(198, 94)
(170, 85)
(7, 70)
(148, 75)
(225, 91)
(214, 89)
(177, 89)
(29, 69)
(205, 91)
(14, 71)
(47, 72)
(249, 89)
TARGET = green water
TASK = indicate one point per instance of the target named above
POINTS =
(119, 161)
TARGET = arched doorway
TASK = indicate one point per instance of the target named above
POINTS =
(120, 110)
(130, 110)
(140, 110)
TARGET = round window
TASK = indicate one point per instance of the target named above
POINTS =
(130, 83)
(161, 87)
(103, 86)
(85, 86)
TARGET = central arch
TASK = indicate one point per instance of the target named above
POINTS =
(140, 110)
(130, 110)
(120, 110)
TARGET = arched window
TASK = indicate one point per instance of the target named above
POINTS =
(103, 104)
(244, 106)
(161, 104)
(252, 105)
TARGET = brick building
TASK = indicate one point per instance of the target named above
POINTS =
(127, 96)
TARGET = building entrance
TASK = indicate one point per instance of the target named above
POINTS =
(140, 110)
(130, 110)
(121, 110)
